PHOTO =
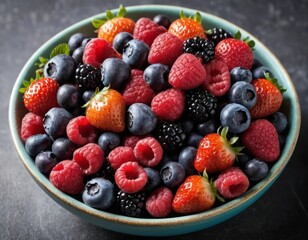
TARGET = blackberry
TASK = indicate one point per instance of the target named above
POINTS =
(171, 135)
(107, 171)
(132, 205)
(200, 47)
(217, 34)
(88, 77)
(200, 104)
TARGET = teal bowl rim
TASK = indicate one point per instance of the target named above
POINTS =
(211, 216)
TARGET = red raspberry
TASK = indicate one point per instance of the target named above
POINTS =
(169, 104)
(148, 152)
(80, 131)
(187, 72)
(232, 183)
(121, 155)
(90, 157)
(137, 90)
(67, 176)
(130, 177)
(131, 141)
(31, 124)
(218, 80)
(96, 51)
(147, 30)
(165, 49)
(159, 203)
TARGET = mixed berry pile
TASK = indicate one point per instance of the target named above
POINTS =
(153, 117)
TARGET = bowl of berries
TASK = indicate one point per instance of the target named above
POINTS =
(154, 120)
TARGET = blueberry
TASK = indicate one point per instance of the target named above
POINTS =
(55, 122)
(37, 143)
(154, 180)
(61, 68)
(63, 148)
(168, 158)
(135, 54)
(108, 141)
(243, 93)
(85, 41)
(243, 158)
(280, 121)
(99, 193)
(172, 174)
(188, 125)
(156, 76)
(206, 127)
(256, 169)
(115, 73)
(75, 41)
(256, 63)
(140, 119)
(120, 41)
(69, 96)
(259, 72)
(241, 74)
(194, 139)
(236, 117)
(186, 159)
(87, 95)
(162, 20)
(45, 161)
(78, 54)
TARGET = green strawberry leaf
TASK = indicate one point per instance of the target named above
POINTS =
(198, 18)
(122, 11)
(182, 14)
(275, 82)
(62, 48)
(238, 35)
(97, 23)
(109, 15)
(247, 40)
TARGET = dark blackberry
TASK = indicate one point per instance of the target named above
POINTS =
(217, 34)
(88, 77)
(171, 135)
(107, 171)
(132, 205)
(200, 47)
(200, 105)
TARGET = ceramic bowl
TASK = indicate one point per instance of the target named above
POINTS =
(165, 226)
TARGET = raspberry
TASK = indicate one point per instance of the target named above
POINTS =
(169, 104)
(121, 155)
(80, 131)
(96, 51)
(130, 177)
(31, 124)
(90, 157)
(67, 176)
(137, 90)
(159, 203)
(148, 152)
(131, 141)
(232, 183)
(218, 79)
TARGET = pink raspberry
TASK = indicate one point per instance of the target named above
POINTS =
(67, 176)
(90, 158)
(159, 203)
(121, 155)
(169, 104)
(232, 183)
(148, 152)
(131, 141)
(31, 124)
(130, 177)
(80, 131)
(137, 90)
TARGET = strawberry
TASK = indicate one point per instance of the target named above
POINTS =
(187, 72)
(235, 52)
(165, 49)
(269, 97)
(218, 80)
(261, 140)
(185, 28)
(106, 110)
(108, 29)
(215, 152)
(195, 194)
(41, 95)
(146, 30)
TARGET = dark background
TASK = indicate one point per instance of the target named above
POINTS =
(26, 212)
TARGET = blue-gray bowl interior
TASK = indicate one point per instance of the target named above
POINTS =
(165, 226)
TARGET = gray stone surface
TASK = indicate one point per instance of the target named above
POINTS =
(26, 212)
